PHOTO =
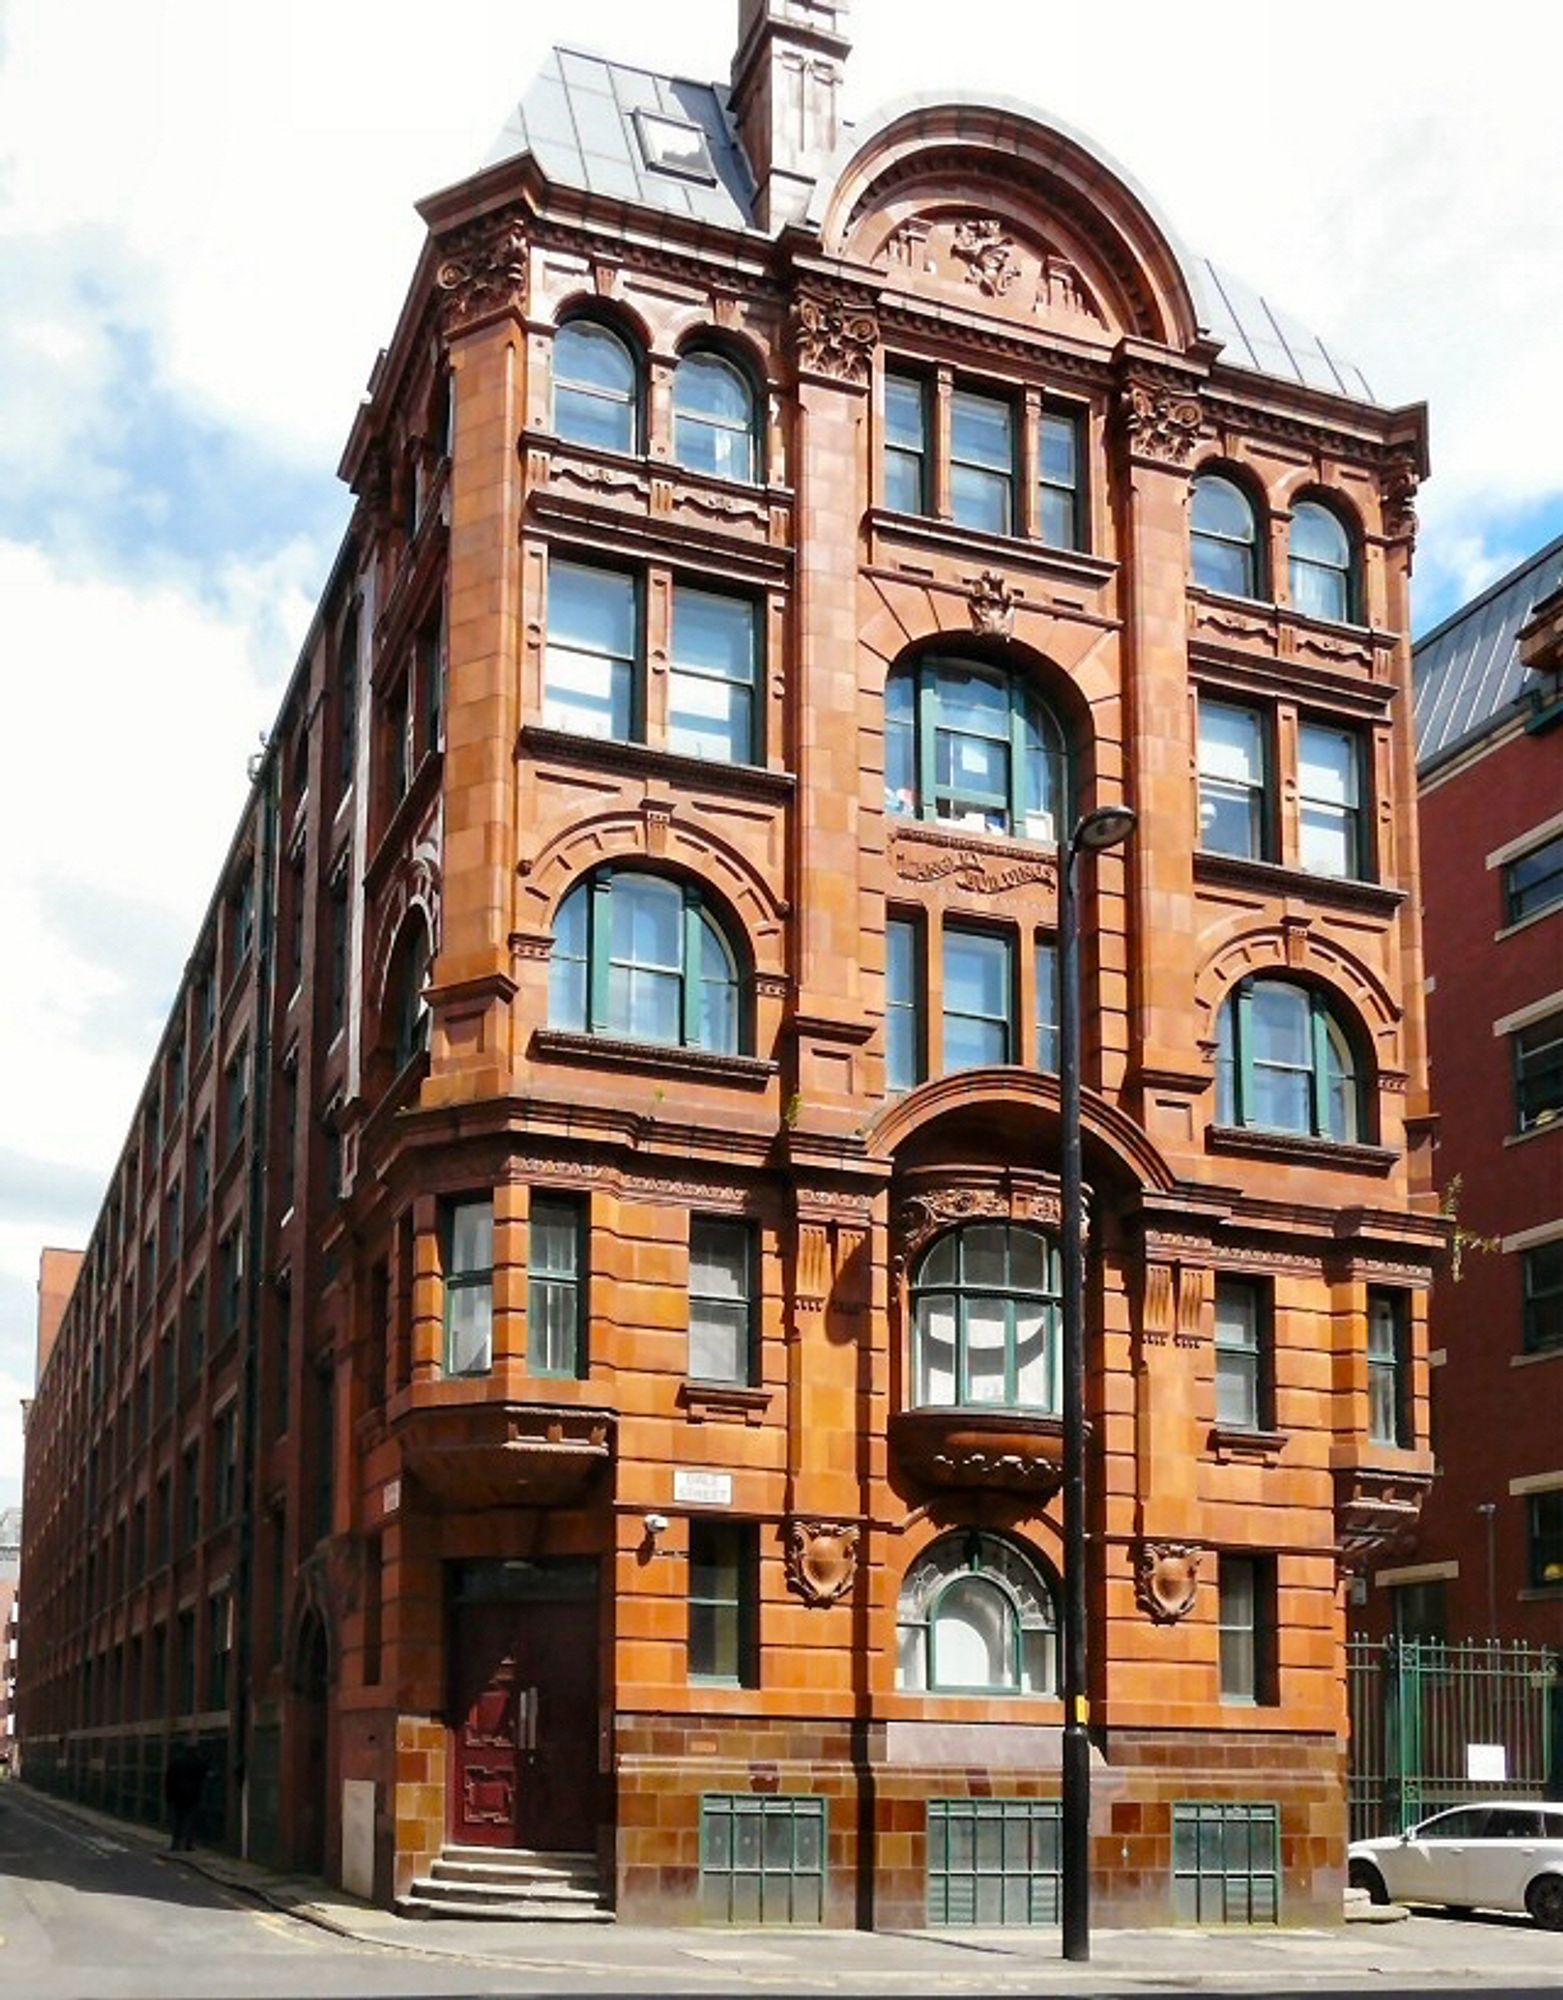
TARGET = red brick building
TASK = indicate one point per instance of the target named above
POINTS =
(569, 1356)
(1487, 1556)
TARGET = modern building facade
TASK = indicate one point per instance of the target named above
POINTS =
(1486, 1559)
(569, 1356)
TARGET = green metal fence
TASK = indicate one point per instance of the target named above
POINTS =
(1418, 1705)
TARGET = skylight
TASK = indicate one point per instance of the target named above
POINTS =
(672, 146)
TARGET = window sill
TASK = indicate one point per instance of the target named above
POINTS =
(607, 1052)
(1091, 571)
(643, 760)
(1303, 1150)
(1237, 1443)
(1540, 1593)
(1276, 877)
(723, 1402)
(1554, 1124)
(1526, 923)
(1535, 1354)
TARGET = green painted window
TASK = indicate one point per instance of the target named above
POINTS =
(993, 1861)
(762, 1860)
(1285, 1064)
(724, 1577)
(971, 745)
(985, 1319)
(469, 1287)
(639, 956)
(555, 1287)
(1542, 1275)
(976, 1614)
(1226, 1862)
(1534, 882)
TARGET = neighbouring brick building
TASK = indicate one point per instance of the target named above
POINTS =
(10, 1562)
(1487, 1556)
(568, 1356)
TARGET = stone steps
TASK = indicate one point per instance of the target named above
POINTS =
(509, 1883)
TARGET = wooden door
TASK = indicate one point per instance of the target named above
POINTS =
(487, 1719)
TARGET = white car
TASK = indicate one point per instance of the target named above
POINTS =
(1506, 1854)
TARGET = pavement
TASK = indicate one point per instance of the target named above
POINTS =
(1430, 1953)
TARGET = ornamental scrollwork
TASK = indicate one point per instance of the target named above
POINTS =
(1161, 423)
(835, 338)
(923, 1215)
(483, 272)
(1166, 1579)
(821, 1559)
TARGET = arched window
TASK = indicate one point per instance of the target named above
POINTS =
(596, 387)
(406, 1007)
(1284, 1063)
(976, 1616)
(1319, 563)
(1224, 537)
(714, 417)
(638, 955)
(971, 744)
(985, 1319)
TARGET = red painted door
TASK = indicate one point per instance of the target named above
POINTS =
(525, 1725)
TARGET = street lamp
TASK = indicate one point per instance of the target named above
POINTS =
(1106, 827)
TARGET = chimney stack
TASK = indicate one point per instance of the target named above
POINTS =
(786, 98)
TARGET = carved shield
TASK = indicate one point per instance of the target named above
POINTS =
(821, 1559)
(1167, 1581)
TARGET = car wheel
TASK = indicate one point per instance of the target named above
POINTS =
(1544, 1900)
(1363, 1875)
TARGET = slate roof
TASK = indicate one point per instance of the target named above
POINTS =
(1467, 672)
(577, 120)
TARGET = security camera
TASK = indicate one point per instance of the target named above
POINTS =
(656, 1524)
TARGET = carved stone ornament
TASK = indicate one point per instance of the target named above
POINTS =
(1166, 1580)
(992, 604)
(1400, 488)
(483, 272)
(923, 1215)
(834, 338)
(987, 253)
(821, 1559)
(971, 869)
(1161, 423)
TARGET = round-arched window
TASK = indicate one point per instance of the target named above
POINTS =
(1284, 1063)
(1223, 537)
(976, 1615)
(1319, 564)
(409, 1009)
(985, 1319)
(714, 417)
(972, 745)
(639, 955)
(596, 387)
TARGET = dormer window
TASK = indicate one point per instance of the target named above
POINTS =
(673, 146)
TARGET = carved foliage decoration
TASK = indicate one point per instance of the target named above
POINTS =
(988, 254)
(924, 1214)
(483, 272)
(834, 337)
(1400, 488)
(821, 1558)
(992, 604)
(1166, 1580)
(1161, 423)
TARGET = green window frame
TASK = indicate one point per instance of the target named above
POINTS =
(1389, 1356)
(977, 1614)
(994, 1862)
(1544, 1539)
(907, 485)
(1284, 1063)
(1541, 1279)
(723, 1300)
(906, 1005)
(986, 1319)
(1533, 882)
(971, 744)
(1243, 1348)
(639, 956)
(1538, 1073)
(724, 1574)
(468, 1244)
(1060, 489)
(556, 1287)
(763, 1860)
(1226, 1861)
(978, 987)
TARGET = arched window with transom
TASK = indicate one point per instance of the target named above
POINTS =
(597, 387)
(985, 1319)
(1224, 537)
(714, 418)
(1286, 1063)
(1319, 563)
(641, 956)
(972, 744)
(976, 1615)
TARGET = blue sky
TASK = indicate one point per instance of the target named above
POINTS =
(206, 228)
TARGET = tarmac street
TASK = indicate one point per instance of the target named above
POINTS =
(94, 1909)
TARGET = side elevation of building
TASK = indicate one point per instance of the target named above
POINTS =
(570, 1357)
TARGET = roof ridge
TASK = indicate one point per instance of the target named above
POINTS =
(1485, 596)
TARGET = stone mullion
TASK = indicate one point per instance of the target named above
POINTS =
(511, 1204)
(428, 1294)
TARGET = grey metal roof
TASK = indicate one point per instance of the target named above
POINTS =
(577, 120)
(1467, 672)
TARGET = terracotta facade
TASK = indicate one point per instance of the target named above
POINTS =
(421, 789)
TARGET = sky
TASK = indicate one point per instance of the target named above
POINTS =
(207, 229)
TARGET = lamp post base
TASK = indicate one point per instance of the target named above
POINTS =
(1075, 1843)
